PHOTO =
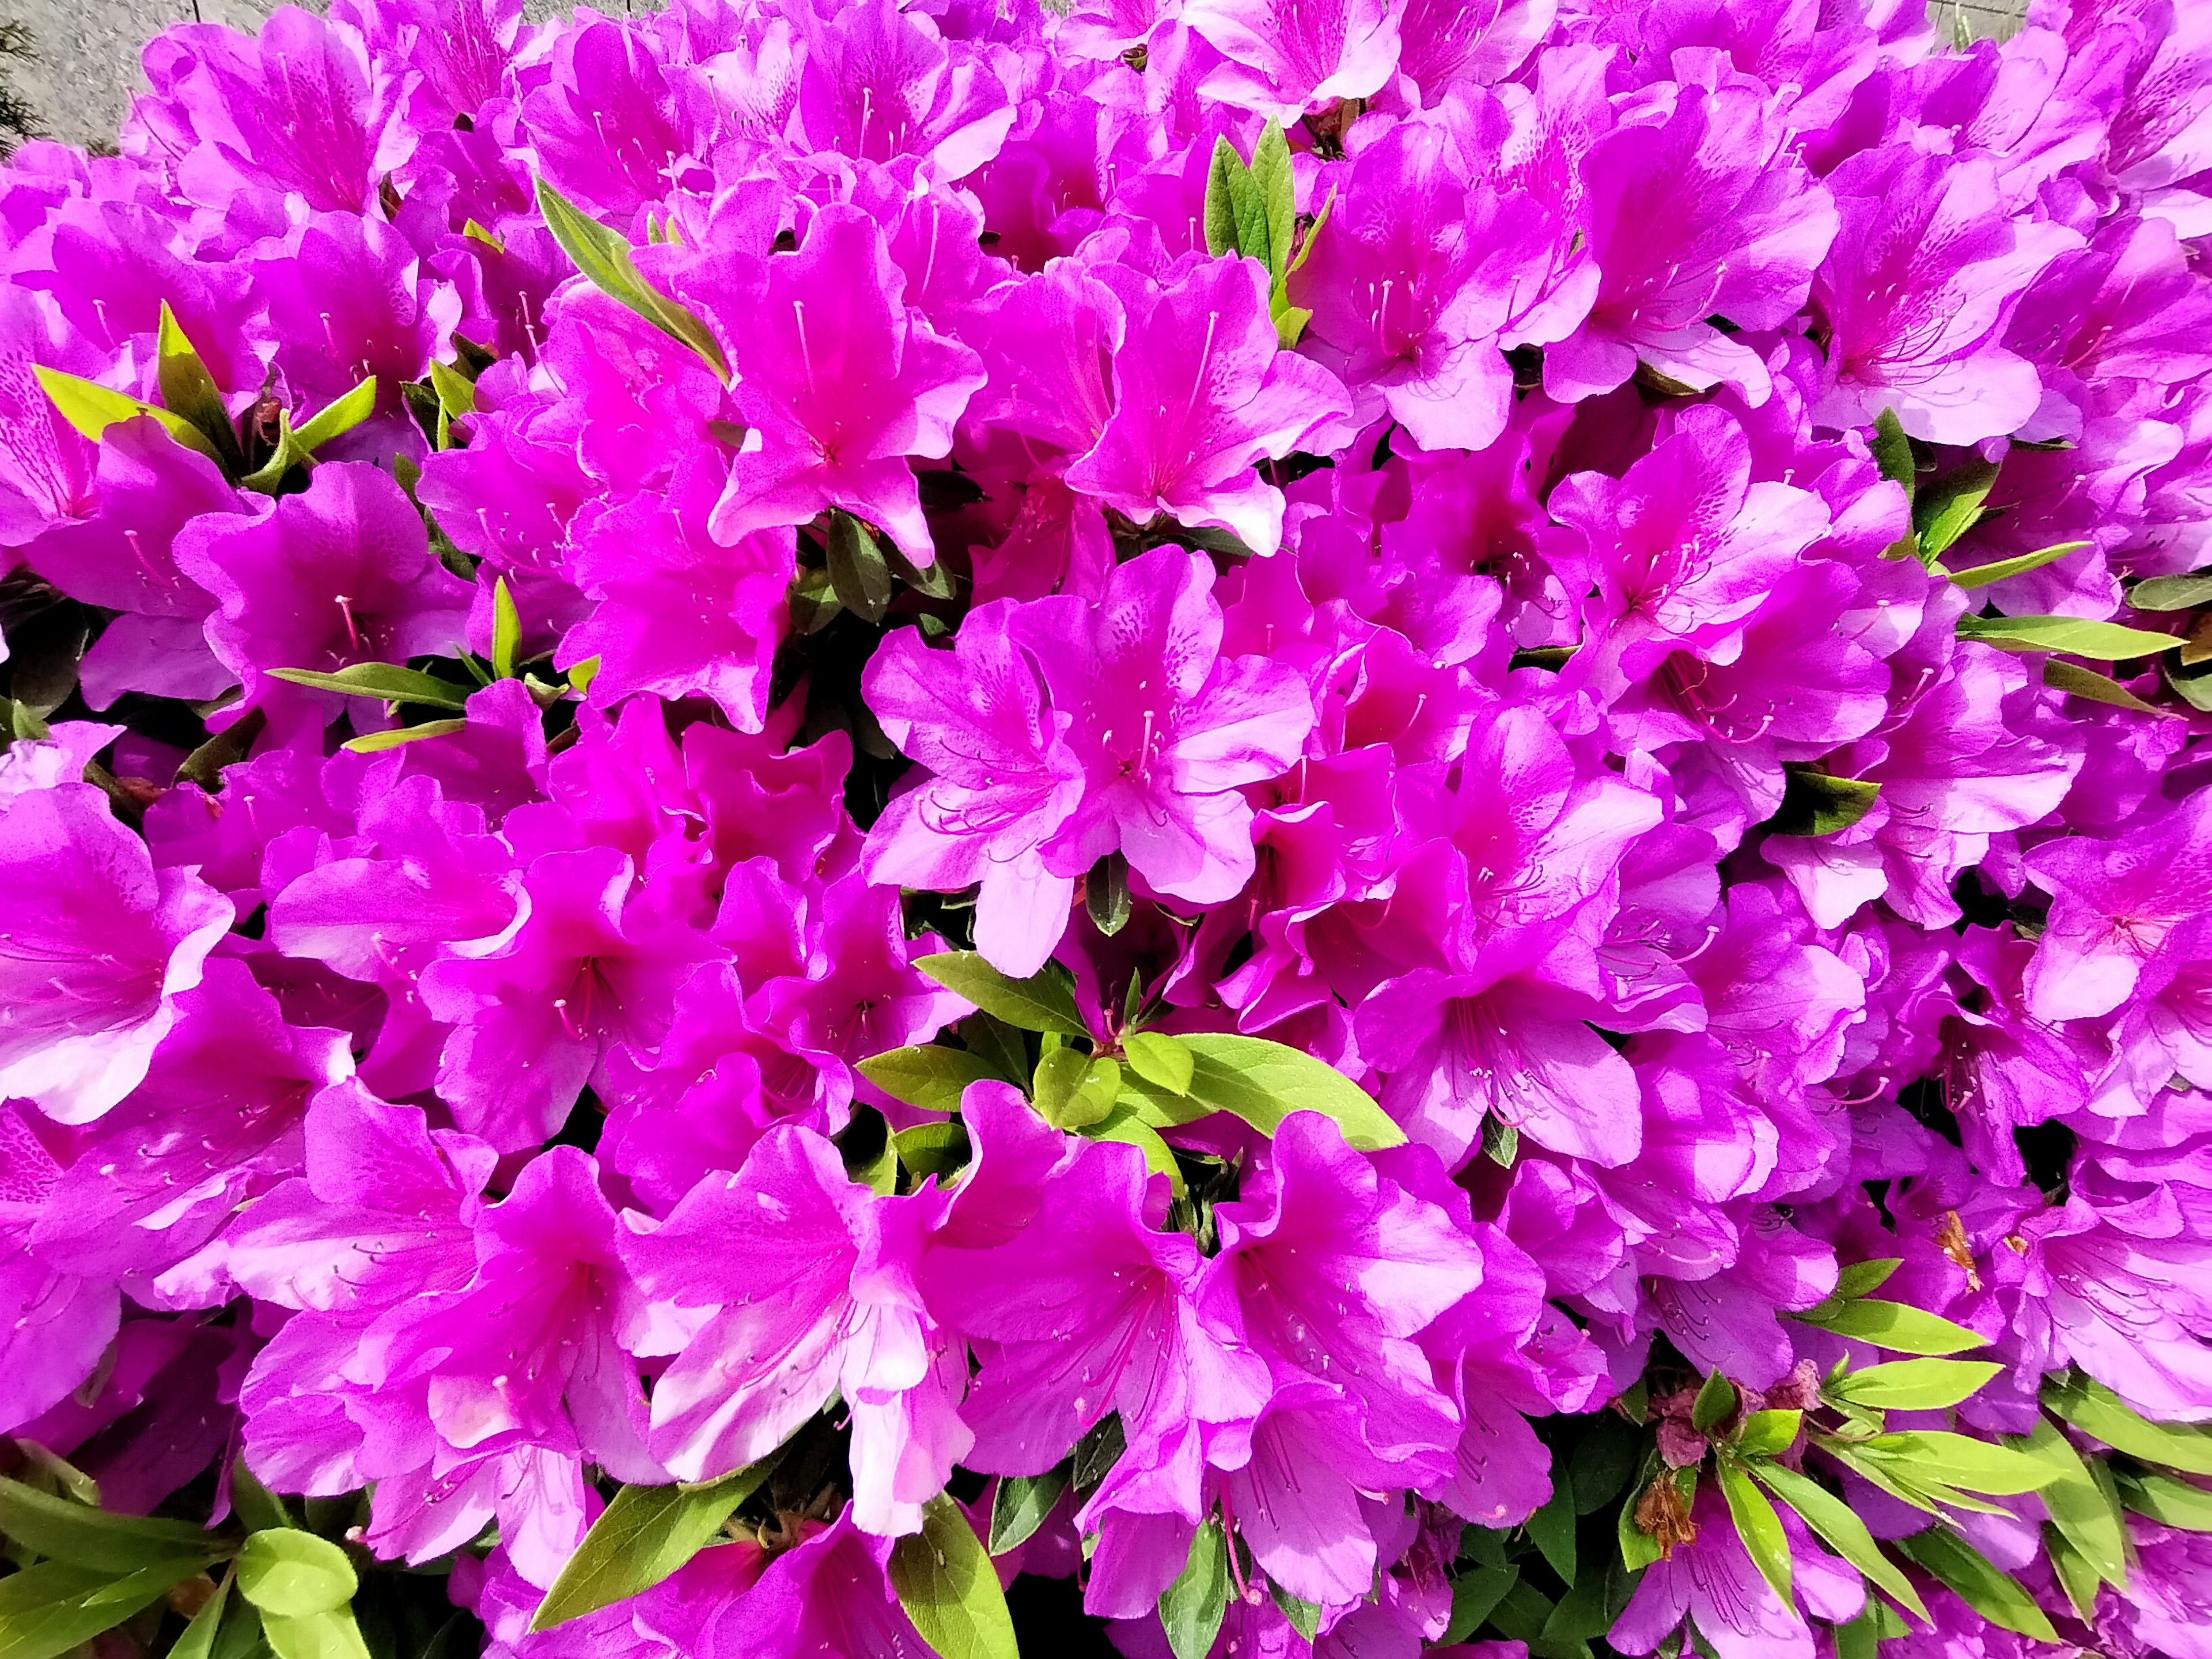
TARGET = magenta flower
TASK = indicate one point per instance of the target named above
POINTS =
(1710, 1581)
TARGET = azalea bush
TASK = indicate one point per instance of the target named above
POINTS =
(1252, 829)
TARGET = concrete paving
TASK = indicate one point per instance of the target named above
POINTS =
(86, 70)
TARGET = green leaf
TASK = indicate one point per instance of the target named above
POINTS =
(1501, 1141)
(339, 416)
(387, 681)
(1124, 1127)
(506, 629)
(1638, 1549)
(457, 393)
(2102, 642)
(1894, 1326)
(2086, 1511)
(253, 1504)
(68, 1531)
(92, 409)
(1915, 1385)
(1161, 1060)
(581, 674)
(645, 1534)
(1021, 1503)
(1858, 1640)
(1603, 1461)
(1302, 1615)
(1831, 1518)
(1097, 1453)
(1715, 1401)
(374, 743)
(931, 1076)
(1263, 1083)
(858, 573)
(1195, 1605)
(331, 1634)
(603, 257)
(2074, 1575)
(1760, 1528)
(1892, 452)
(1982, 574)
(1816, 804)
(2172, 593)
(1961, 1460)
(2169, 1501)
(1947, 508)
(1071, 1090)
(1996, 1595)
(1225, 175)
(190, 390)
(1106, 893)
(1042, 1002)
(2095, 1410)
(949, 1588)
(1271, 178)
(1769, 1433)
(199, 1640)
(294, 1574)
(1860, 1279)
(1551, 1527)
(49, 1608)
(2072, 677)
(932, 1149)
(813, 604)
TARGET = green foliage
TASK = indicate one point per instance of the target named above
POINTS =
(603, 258)
(644, 1535)
(945, 1580)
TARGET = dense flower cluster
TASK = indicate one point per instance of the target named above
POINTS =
(1313, 808)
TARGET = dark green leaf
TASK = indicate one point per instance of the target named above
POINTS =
(814, 603)
(1892, 452)
(1995, 1594)
(1553, 1527)
(1224, 177)
(68, 1531)
(932, 580)
(1097, 1453)
(1263, 1083)
(1896, 1327)
(331, 1634)
(1193, 1608)
(1816, 804)
(1005, 1047)
(1039, 1003)
(92, 409)
(1832, 1519)
(1021, 1503)
(1106, 893)
(1982, 575)
(2102, 642)
(645, 1534)
(253, 1504)
(1161, 1060)
(2080, 682)
(1603, 1461)
(387, 681)
(294, 1574)
(49, 1608)
(605, 259)
(1716, 1399)
(1760, 1528)
(2169, 1501)
(1302, 1616)
(2074, 1575)
(2172, 593)
(1917, 1385)
(1944, 510)
(1501, 1141)
(857, 573)
(1521, 1611)
(931, 1076)
(2095, 1410)
(950, 1589)
(1858, 1640)
(1581, 1612)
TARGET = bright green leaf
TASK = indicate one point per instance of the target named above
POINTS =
(1638, 1549)
(1071, 1090)
(603, 257)
(1716, 1399)
(2074, 1575)
(1914, 1384)
(644, 1535)
(68, 1531)
(2084, 1510)
(1858, 1279)
(339, 416)
(1553, 1527)
(295, 1574)
(2095, 1410)
(1831, 1518)
(1961, 1460)
(1123, 1126)
(199, 1640)
(1263, 1083)
(49, 1608)
(1760, 1528)
(506, 629)
(950, 1589)
(1041, 1003)
(2169, 1501)
(331, 1634)
(190, 390)
(1223, 177)
(581, 674)
(932, 1149)
(371, 742)
(387, 681)
(457, 393)
(1816, 804)
(1161, 1060)
(92, 409)
(2102, 642)
(1769, 1433)
(1895, 1326)
(1996, 1595)
(2172, 593)
(1982, 575)
(1021, 1503)
(1892, 452)
(931, 1076)
(1195, 1605)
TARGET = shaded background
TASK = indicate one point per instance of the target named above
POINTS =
(85, 67)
